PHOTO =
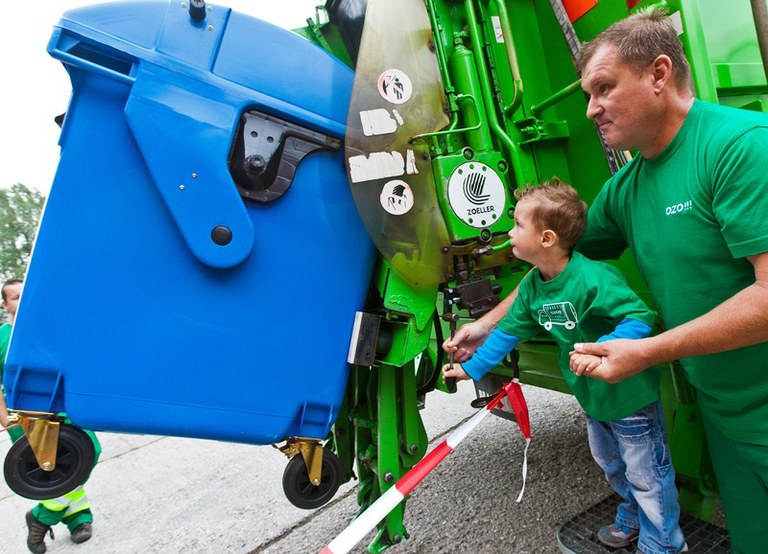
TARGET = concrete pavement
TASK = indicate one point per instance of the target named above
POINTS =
(166, 494)
(155, 494)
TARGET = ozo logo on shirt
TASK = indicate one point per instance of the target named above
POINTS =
(679, 208)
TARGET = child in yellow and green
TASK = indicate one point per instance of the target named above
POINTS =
(73, 509)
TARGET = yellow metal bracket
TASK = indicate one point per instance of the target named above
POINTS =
(42, 432)
(312, 452)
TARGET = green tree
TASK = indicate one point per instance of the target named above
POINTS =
(20, 211)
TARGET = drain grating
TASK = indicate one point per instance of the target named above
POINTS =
(579, 535)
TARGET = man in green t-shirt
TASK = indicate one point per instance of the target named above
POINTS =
(692, 209)
(575, 299)
(73, 508)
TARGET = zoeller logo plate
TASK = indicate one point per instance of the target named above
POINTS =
(476, 194)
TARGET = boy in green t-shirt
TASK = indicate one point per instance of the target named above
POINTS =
(579, 300)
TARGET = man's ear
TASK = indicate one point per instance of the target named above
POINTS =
(548, 238)
(661, 71)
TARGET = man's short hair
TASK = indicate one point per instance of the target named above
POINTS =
(639, 40)
(8, 283)
(557, 206)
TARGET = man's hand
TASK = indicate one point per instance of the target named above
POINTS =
(620, 358)
(457, 372)
(466, 340)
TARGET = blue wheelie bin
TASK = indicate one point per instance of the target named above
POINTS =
(200, 259)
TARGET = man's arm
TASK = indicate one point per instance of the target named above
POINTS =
(740, 321)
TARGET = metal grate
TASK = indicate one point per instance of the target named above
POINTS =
(579, 535)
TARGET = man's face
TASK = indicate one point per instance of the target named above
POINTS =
(11, 302)
(620, 100)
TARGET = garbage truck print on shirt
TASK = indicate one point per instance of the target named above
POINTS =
(558, 313)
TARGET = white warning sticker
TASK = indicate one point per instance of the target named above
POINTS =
(396, 197)
(395, 86)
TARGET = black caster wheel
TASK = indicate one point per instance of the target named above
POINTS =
(301, 492)
(74, 461)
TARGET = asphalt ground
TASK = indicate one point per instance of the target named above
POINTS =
(164, 494)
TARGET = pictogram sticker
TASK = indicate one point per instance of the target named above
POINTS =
(396, 197)
(395, 86)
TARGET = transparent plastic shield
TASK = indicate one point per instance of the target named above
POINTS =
(398, 95)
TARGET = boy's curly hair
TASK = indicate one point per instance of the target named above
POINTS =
(556, 206)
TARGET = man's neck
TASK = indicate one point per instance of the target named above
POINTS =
(671, 120)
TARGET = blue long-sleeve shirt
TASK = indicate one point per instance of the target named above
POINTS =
(499, 344)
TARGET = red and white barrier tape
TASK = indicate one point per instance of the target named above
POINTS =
(366, 521)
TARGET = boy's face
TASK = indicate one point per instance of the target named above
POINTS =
(525, 237)
(11, 301)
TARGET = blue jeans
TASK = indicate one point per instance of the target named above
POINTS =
(634, 454)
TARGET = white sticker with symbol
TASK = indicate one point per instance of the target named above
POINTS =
(395, 86)
(396, 197)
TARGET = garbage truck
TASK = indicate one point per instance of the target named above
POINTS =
(279, 228)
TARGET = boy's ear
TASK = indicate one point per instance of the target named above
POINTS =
(548, 238)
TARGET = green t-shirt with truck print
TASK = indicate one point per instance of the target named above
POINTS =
(586, 301)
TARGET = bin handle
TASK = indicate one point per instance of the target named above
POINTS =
(183, 129)
(56, 50)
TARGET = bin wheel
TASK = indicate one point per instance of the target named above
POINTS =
(75, 456)
(301, 492)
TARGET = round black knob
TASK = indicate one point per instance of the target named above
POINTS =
(221, 235)
(197, 10)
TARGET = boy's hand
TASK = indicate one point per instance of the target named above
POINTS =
(457, 372)
(466, 340)
(584, 363)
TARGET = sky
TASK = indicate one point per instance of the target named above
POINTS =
(35, 87)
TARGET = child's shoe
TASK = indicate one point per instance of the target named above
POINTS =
(36, 534)
(81, 533)
(616, 538)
